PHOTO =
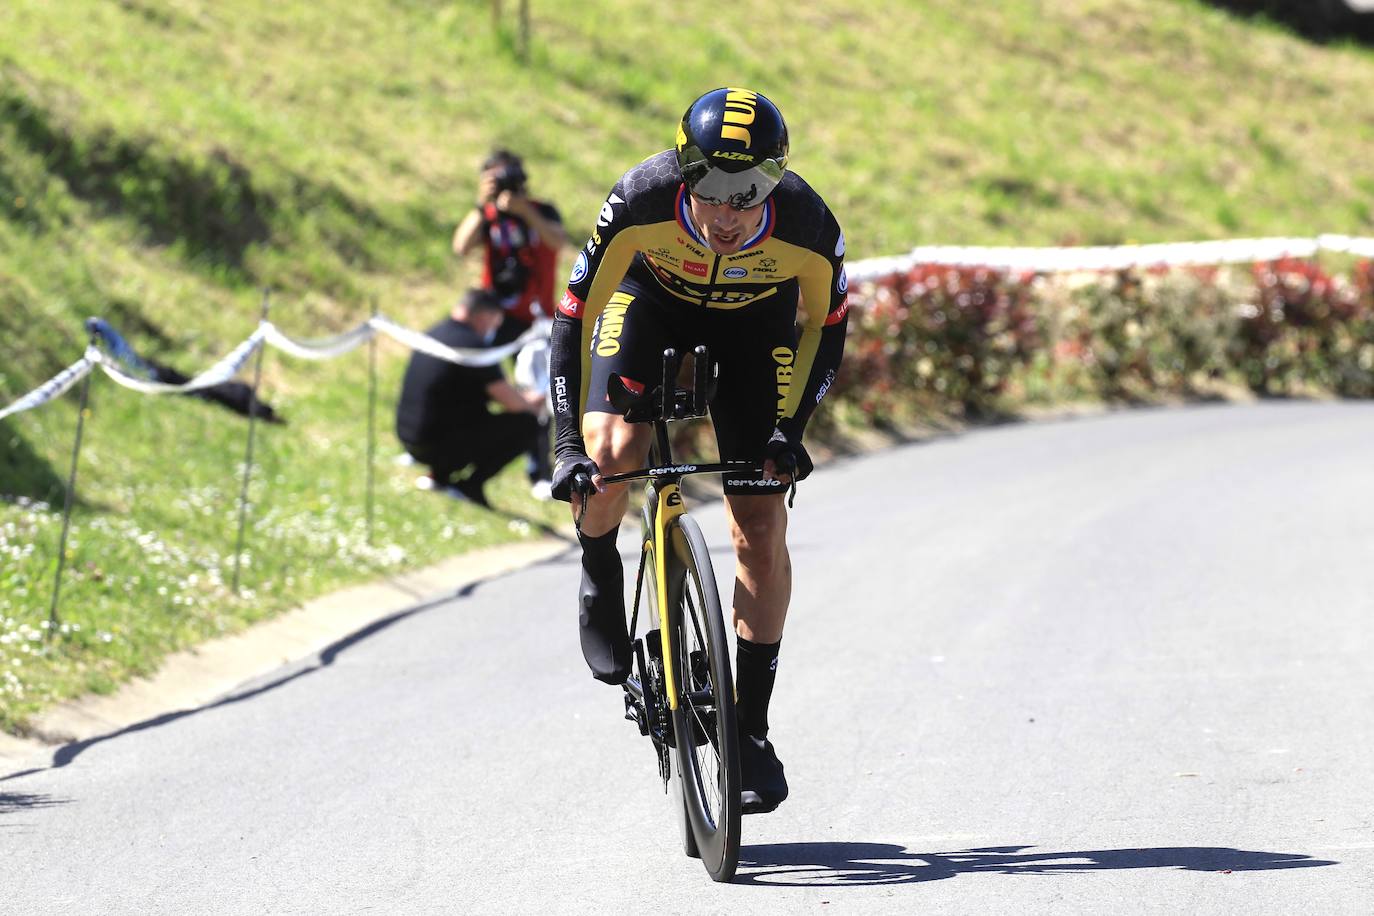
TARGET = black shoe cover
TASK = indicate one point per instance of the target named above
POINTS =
(605, 642)
(763, 786)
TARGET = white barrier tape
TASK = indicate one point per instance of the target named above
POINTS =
(56, 386)
(217, 374)
(1117, 257)
(266, 332)
(463, 356)
(324, 348)
(1363, 248)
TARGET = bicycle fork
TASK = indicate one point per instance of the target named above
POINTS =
(651, 705)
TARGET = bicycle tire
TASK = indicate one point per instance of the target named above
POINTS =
(684, 817)
(704, 720)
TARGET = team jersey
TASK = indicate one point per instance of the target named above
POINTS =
(645, 228)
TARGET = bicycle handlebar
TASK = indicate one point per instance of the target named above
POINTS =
(684, 470)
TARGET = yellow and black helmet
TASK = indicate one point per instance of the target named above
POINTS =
(732, 147)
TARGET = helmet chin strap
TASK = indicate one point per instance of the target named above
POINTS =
(701, 229)
(744, 230)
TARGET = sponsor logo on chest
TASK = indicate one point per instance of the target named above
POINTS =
(690, 247)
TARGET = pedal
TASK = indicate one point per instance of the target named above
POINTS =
(635, 713)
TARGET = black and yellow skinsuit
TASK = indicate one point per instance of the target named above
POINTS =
(646, 280)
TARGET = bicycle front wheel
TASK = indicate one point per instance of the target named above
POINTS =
(704, 720)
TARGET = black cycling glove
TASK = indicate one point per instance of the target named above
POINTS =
(566, 468)
(788, 457)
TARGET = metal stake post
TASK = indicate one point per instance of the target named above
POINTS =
(248, 458)
(371, 421)
(67, 506)
(524, 31)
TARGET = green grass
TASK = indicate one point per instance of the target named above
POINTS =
(163, 160)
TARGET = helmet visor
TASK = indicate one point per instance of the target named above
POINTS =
(741, 190)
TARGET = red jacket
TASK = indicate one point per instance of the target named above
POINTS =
(518, 265)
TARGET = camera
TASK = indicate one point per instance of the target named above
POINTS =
(509, 178)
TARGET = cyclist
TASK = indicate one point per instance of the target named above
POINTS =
(713, 242)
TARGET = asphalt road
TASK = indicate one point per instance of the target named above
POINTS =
(1117, 664)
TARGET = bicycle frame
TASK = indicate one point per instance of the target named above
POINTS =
(664, 504)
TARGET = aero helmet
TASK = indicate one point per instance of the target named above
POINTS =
(732, 147)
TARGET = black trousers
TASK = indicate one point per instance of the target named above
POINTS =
(539, 462)
(488, 445)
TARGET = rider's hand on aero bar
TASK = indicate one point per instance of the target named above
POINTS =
(574, 473)
(790, 461)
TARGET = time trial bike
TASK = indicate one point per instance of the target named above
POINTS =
(680, 692)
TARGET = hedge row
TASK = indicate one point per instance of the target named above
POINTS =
(974, 342)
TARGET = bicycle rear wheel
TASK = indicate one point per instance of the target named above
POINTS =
(704, 721)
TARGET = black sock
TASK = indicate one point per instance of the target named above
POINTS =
(601, 618)
(756, 667)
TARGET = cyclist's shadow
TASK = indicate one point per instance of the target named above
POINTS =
(867, 864)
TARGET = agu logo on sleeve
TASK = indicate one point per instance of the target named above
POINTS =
(579, 271)
(842, 284)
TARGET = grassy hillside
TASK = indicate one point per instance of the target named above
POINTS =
(163, 160)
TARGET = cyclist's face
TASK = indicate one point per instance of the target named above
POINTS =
(724, 227)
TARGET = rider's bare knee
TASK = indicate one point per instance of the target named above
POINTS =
(613, 444)
(759, 532)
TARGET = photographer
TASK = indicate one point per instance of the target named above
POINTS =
(520, 238)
